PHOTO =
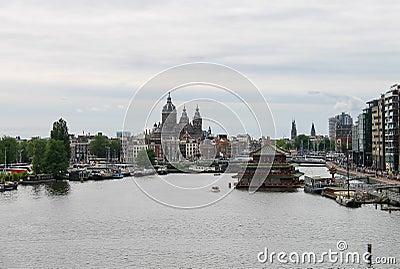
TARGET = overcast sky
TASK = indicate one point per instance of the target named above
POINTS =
(84, 60)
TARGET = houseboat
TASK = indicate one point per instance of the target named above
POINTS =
(316, 184)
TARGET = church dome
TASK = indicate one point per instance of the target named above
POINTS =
(169, 106)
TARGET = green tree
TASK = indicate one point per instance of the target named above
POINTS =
(23, 152)
(115, 148)
(281, 143)
(302, 140)
(38, 150)
(99, 146)
(8, 150)
(60, 132)
(324, 145)
(56, 158)
(146, 158)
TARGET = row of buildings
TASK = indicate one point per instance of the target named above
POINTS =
(184, 140)
(80, 151)
(340, 129)
(187, 149)
(376, 132)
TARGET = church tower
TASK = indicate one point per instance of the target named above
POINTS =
(169, 117)
(293, 133)
(184, 120)
(313, 134)
(197, 124)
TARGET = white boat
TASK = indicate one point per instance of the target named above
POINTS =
(162, 170)
(308, 160)
(215, 189)
(144, 172)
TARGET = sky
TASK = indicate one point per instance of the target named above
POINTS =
(85, 60)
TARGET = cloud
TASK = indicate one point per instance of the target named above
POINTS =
(343, 106)
(99, 52)
(343, 102)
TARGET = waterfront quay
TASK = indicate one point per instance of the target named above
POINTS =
(372, 184)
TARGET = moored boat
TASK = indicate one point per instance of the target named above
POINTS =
(348, 201)
(144, 172)
(8, 186)
(332, 192)
(101, 175)
(308, 160)
(316, 184)
(117, 174)
(102, 172)
(78, 175)
(38, 179)
(162, 170)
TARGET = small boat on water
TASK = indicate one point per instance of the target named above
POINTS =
(215, 189)
(217, 174)
(117, 175)
(162, 170)
(144, 172)
(8, 186)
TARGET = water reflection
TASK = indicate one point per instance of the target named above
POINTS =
(59, 188)
(37, 191)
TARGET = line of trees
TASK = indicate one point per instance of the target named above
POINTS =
(102, 147)
(304, 141)
(48, 156)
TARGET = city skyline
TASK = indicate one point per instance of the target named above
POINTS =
(76, 61)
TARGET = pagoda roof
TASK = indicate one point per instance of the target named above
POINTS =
(269, 149)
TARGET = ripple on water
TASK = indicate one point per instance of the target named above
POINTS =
(113, 224)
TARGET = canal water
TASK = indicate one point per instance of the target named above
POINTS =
(116, 224)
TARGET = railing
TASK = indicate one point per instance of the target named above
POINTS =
(373, 190)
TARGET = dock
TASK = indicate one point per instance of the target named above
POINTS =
(380, 191)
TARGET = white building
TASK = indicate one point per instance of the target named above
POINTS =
(131, 146)
(192, 150)
(79, 145)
